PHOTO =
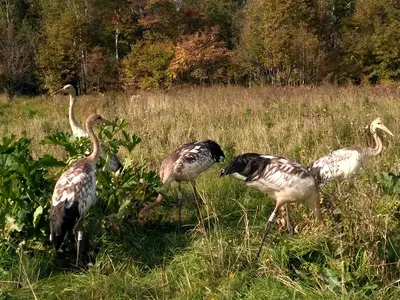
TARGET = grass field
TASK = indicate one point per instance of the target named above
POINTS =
(354, 256)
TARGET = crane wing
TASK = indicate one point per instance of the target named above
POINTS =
(336, 165)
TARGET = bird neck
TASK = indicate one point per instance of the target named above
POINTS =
(72, 121)
(152, 205)
(93, 157)
(378, 145)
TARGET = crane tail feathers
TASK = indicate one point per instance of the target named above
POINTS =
(62, 220)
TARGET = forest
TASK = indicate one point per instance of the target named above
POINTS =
(100, 45)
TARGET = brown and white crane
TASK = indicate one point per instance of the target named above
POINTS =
(346, 163)
(75, 192)
(236, 168)
(185, 164)
(113, 162)
(282, 179)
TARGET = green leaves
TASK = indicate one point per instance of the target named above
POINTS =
(27, 184)
(36, 215)
(127, 141)
(389, 183)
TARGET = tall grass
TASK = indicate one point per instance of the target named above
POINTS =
(355, 256)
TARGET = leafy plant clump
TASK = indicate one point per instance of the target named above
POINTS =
(26, 187)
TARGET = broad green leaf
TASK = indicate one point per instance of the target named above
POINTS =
(36, 215)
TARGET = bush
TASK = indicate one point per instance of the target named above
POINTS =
(146, 66)
(200, 58)
(26, 187)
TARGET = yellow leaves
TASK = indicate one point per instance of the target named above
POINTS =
(200, 56)
(231, 275)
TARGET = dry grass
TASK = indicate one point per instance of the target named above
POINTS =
(359, 242)
(280, 121)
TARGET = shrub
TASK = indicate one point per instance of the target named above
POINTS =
(200, 58)
(146, 66)
(27, 184)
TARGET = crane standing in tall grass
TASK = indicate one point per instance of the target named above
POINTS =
(282, 179)
(113, 162)
(185, 163)
(346, 163)
(75, 192)
(236, 167)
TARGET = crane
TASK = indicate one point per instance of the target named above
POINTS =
(75, 192)
(185, 163)
(113, 162)
(284, 180)
(346, 163)
(236, 168)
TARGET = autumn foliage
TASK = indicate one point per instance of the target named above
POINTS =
(102, 45)
(200, 58)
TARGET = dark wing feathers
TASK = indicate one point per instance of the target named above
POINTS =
(62, 220)
(239, 164)
(114, 164)
(316, 173)
(206, 147)
(214, 149)
(256, 167)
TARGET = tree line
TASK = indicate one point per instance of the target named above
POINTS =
(99, 45)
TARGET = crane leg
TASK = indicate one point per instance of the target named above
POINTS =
(79, 237)
(288, 222)
(196, 197)
(78, 242)
(179, 204)
(266, 230)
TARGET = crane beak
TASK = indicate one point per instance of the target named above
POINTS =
(56, 92)
(383, 127)
(106, 122)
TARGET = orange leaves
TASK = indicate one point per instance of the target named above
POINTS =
(200, 57)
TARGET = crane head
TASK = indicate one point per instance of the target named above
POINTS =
(97, 119)
(67, 89)
(377, 123)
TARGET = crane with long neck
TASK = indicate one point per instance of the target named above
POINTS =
(75, 191)
(345, 164)
(113, 162)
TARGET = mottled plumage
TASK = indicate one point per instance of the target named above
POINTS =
(75, 190)
(346, 163)
(188, 161)
(113, 163)
(185, 163)
(74, 193)
(277, 176)
(282, 179)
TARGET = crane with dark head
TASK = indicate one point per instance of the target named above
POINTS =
(280, 178)
(185, 164)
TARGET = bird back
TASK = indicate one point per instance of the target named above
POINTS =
(73, 194)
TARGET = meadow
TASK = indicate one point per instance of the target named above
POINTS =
(354, 256)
